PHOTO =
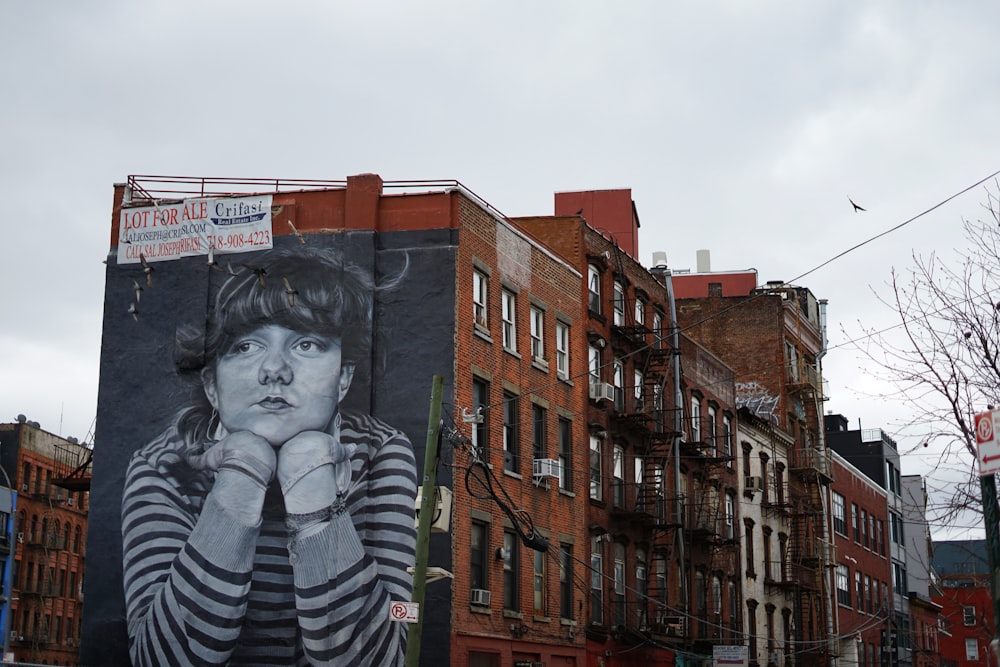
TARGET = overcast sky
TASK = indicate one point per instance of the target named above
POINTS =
(741, 127)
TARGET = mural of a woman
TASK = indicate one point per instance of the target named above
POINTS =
(267, 525)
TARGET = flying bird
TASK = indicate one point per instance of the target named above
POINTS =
(290, 291)
(261, 272)
(138, 290)
(134, 311)
(297, 233)
(147, 269)
(229, 268)
(211, 258)
(856, 207)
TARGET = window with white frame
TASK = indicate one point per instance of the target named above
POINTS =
(619, 305)
(640, 312)
(968, 615)
(537, 333)
(618, 380)
(839, 513)
(730, 517)
(594, 364)
(971, 648)
(595, 467)
(618, 476)
(596, 581)
(562, 350)
(695, 419)
(710, 426)
(593, 288)
(843, 585)
(480, 302)
(508, 313)
(727, 439)
(657, 330)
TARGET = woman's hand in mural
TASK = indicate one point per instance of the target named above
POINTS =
(244, 464)
(313, 468)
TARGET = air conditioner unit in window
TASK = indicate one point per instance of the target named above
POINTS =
(602, 391)
(24, 487)
(480, 597)
(20, 538)
(753, 483)
(545, 468)
(13, 635)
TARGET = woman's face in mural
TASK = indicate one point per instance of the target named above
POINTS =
(277, 382)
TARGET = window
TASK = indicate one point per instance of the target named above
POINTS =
(593, 289)
(637, 391)
(619, 575)
(565, 454)
(730, 518)
(696, 419)
(971, 649)
(899, 583)
(859, 591)
(864, 528)
(968, 615)
(618, 380)
(619, 305)
(618, 476)
(855, 522)
(896, 528)
(779, 483)
(768, 573)
(657, 330)
(510, 569)
(881, 536)
(748, 526)
(640, 312)
(594, 364)
(752, 626)
(508, 313)
(566, 580)
(641, 587)
(480, 302)
(562, 350)
(839, 514)
(595, 467)
(710, 427)
(596, 579)
(538, 424)
(480, 405)
(727, 439)
(510, 454)
(537, 333)
(843, 585)
(539, 583)
(716, 595)
(477, 556)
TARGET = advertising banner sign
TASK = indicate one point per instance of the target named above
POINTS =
(194, 227)
(731, 656)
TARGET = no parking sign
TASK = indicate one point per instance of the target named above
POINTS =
(987, 432)
(404, 612)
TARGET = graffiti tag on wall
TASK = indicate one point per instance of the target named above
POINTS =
(758, 399)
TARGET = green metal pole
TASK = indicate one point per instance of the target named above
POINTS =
(991, 515)
(424, 519)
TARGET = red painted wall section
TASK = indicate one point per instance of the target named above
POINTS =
(611, 212)
(693, 285)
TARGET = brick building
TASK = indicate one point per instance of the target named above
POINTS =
(862, 565)
(50, 527)
(774, 339)
(874, 453)
(966, 602)
(663, 494)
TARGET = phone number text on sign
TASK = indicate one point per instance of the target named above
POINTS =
(255, 240)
